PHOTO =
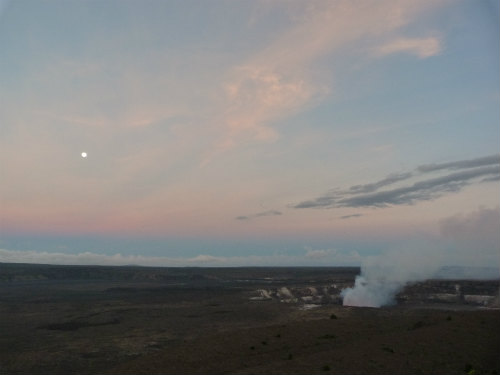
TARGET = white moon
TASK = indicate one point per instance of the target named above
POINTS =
(84, 154)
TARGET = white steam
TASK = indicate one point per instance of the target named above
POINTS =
(383, 276)
(369, 293)
(469, 241)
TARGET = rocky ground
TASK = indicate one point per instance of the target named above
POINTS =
(82, 320)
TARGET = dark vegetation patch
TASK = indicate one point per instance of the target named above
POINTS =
(75, 325)
(417, 325)
(327, 336)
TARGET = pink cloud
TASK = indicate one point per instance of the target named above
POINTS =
(420, 47)
(281, 79)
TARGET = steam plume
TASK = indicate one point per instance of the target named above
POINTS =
(469, 241)
(382, 277)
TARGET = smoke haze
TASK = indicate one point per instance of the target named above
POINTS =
(470, 242)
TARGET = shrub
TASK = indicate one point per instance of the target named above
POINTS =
(469, 369)
(327, 336)
(417, 325)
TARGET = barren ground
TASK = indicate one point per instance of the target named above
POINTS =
(105, 320)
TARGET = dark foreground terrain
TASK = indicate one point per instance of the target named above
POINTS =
(117, 320)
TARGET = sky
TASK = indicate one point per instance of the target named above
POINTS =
(249, 133)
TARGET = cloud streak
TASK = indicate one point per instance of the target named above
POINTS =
(350, 216)
(260, 214)
(420, 47)
(389, 180)
(485, 169)
(462, 164)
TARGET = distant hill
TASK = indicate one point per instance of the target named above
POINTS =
(33, 272)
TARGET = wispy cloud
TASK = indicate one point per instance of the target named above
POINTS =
(260, 214)
(350, 216)
(461, 164)
(478, 170)
(419, 191)
(389, 180)
(278, 81)
(420, 47)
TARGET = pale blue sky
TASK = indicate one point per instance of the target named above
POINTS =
(249, 132)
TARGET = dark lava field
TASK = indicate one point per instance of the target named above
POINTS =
(139, 320)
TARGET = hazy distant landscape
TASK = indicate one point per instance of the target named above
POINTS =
(91, 319)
